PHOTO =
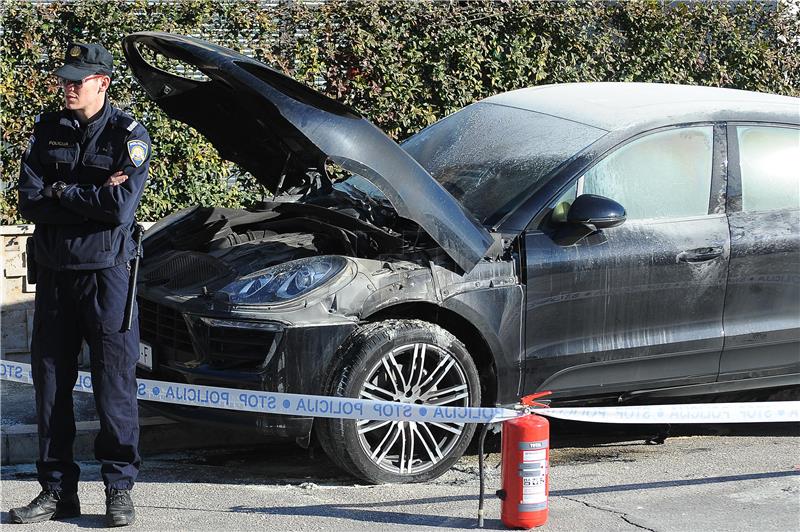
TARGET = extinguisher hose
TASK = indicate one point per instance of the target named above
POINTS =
(481, 439)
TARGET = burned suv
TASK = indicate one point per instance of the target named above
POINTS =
(608, 242)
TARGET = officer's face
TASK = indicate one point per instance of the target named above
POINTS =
(85, 94)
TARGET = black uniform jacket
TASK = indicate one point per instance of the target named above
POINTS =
(90, 226)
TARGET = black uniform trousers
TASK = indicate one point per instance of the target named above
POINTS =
(73, 305)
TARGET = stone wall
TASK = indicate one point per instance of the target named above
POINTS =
(16, 295)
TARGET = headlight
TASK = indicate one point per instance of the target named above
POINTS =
(286, 281)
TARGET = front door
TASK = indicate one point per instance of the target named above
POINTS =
(639, 305)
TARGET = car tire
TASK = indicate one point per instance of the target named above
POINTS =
(409, 361)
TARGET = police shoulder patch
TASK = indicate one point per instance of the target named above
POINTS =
(137, 150)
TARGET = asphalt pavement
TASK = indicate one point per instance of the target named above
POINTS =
(730, 478)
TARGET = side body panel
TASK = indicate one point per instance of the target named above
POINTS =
(497, 314)
(618, 311)
(762, 309)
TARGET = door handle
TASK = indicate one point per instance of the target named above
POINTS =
(699, 254)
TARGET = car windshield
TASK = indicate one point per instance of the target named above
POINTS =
(490, 157)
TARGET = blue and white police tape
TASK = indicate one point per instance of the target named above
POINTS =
(346, 408)
(282, 403)
(762, 412)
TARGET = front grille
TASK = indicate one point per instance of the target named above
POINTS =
(236, 344)
(164, 328)
(221, 343)
(186, 269)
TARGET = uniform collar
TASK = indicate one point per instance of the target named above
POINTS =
(99, 120)
(96, 123)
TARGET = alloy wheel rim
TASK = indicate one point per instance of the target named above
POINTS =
(416, 373)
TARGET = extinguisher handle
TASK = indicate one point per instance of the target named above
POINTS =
(529, 400)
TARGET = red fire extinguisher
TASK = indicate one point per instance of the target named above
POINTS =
(525, 463)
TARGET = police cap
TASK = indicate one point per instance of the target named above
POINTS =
(83, 60)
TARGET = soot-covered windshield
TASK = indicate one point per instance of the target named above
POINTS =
(490, 156)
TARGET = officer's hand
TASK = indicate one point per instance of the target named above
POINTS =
(117, 178)
(47, 191)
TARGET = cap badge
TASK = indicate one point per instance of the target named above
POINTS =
(137, 149)
(75, 51)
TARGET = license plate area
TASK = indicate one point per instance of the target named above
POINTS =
(145, 356)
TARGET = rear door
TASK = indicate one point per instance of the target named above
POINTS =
(762, 307)
(639, 305)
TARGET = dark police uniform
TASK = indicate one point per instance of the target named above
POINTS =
(83, 245)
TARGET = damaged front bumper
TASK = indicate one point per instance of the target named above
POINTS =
(241, 354)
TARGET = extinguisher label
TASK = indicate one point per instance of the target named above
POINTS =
(534, 456)
(534, 488)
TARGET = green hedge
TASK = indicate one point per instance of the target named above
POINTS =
(402, 64)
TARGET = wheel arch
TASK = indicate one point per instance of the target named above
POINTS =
(478, 345)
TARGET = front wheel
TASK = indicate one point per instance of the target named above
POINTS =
(407, 361)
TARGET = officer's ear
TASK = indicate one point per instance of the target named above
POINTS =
(105, 82)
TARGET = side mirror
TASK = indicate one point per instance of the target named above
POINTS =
(597, 211)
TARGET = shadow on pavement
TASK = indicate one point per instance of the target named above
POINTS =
(357, 512)
(363, 512)
(84, 521)
(672, 483)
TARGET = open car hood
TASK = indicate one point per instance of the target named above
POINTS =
(269, 124)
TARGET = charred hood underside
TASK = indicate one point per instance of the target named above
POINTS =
(278, 130)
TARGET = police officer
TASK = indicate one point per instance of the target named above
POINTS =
(82, 177)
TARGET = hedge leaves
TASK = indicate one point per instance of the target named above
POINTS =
(402, 64)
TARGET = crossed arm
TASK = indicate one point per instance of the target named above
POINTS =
(114, 202)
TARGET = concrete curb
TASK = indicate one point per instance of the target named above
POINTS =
(20, 443)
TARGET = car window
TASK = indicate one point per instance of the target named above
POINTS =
(662, 175)
(769, 159)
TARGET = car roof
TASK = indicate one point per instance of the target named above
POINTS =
(613, 106)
